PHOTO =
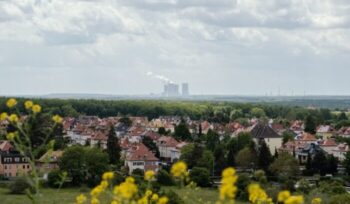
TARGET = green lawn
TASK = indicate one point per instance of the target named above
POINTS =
(50, 196)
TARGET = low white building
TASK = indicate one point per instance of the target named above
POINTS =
(140, 157)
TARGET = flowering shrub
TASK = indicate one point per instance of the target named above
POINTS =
(20, 136)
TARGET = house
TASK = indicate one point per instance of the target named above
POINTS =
(310, 149)
(340, 151)
(99, 139)
(140, 157)
(325, 131)
(13, 164)
(49, 161)
(328, 145)
(263, 132)
(278, 128)
(121, 129)
(307, 138)
(344, 132)
(168, 149)
(297, 126)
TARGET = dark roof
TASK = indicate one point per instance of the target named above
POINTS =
(312, 149)
(261, 130)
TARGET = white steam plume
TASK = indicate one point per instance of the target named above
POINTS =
(160, 77)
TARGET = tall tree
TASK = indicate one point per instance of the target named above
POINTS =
(319, 163)
(220, 159)
(113, 146)
(245, 158)
(310, 124)
(212, 139)
(182, 132)
(342, 116)
(332, 164)
(264, 156)
(285, 166)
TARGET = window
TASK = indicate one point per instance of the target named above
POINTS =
(17, 159)
(5, 166)
(24, 166)
(137, 163)
(27, 166)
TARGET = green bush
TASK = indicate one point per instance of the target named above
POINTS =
(53, 178)
(200, 176)
(332, 187)
(340, 199)
(19, 186)
(242, 183)
(164, 178)
(173, 197)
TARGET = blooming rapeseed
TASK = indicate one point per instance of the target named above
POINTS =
(149, 175)
(11, 103)
(179, 169)
(108, 175)
(13, 118)
(294, 200)
(36, 108)
(80, 199)
(316, 201)
(282, 196)
(228, 189)
(57, 119)
(3, 116)
(28, 104)
(257, 195)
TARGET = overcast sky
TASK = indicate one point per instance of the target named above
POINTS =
(249, 47)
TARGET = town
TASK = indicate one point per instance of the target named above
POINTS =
(297, 154)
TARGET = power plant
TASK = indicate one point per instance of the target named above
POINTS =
(172, 90)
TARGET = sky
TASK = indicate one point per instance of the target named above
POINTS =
(233, 47)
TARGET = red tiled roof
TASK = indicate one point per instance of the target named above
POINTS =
(141, 153)
(5, 146)
(168, 141)
(329, 142)
(308, 137)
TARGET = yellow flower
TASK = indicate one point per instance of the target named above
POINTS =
(96, 191)
(36, 108)
(127, 189)
(11, 103)
(28, 104)
(13, 118)
(148, 193)
(108, 175)
(179, 169)
(149, 175)
(114, 202)
(11, 136)
(294, 200)
(104, 184)
(155, 197)
(3, 116)
(163, 200)
(316, 201)
(143, 200)
(283, 195)
(257, 194)
(95, 201)
(57, 119)
(228, 189)
(80, 199)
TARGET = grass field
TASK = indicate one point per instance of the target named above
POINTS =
(50, 196)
